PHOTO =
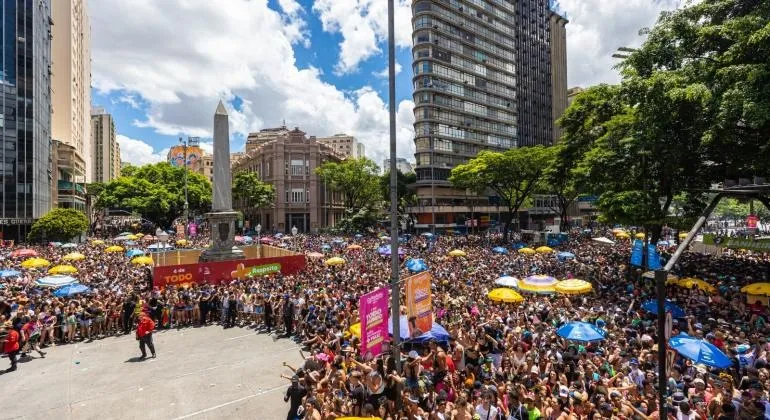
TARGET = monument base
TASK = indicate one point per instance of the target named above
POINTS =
(222, 238)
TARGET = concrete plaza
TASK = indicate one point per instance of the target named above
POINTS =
(201, 373)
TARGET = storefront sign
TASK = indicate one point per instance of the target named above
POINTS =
(14, 222)
(374, 326)
(419, 303)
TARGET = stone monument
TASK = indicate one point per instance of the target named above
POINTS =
(222, 217)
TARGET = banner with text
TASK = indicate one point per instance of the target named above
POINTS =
(223, 272)
(374, 326)
(419, 303)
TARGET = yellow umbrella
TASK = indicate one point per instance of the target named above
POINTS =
(683, 235)
(355, 330)
(63, 269)
(639, 235)
(97, 242)
(139, 235)
(114, 248)
(132, 237)
(758, 289)
(35, 263)
(617, 230)
(143, 260)
(544, 249)
(506, 295)
(181, 242)
(622, 235)
(573, 287)
(74, 256)
(692, 283)
(354, 246)
(334, 261)
(527, 251)
(456, 253)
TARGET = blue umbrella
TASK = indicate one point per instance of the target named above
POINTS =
(518, 245)
(130, 243)
(131, 253)
(247, 239)
(581, 331)
(278, 235)
(699, 351)
(427, 235)
(71, 290)
(499, 250)
(326, 247)
(416, 265)
(9, 273)
(652, 307)
(337, 241)
(437, 333)
(56, 281)
(565, 255)
(664, 243)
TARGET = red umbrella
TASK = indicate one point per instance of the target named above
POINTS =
(266, 240)
(26, 252)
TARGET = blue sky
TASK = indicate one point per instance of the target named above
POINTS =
(160, 67)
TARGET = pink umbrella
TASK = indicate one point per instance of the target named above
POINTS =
(266, 240)
(26, 252)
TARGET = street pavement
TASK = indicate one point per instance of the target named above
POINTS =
(200, 373)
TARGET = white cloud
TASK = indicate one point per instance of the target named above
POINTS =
(137, 152)
(131, 100)
(598, 27)
(182, 78)
(363, 25)
(383, 74)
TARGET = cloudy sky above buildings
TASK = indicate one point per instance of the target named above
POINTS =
(160, 67)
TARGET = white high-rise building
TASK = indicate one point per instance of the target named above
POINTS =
(104, 146)
(71, 80)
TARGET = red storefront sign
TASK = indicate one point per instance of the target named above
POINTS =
(223, 272)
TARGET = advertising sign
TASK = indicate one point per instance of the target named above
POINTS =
(223, 272)
(374, 326)
(193, 230)
(419, 303)
(751, 221)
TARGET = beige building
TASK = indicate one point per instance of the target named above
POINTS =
(105, 150)
(344, 145)
(71, 79)
(68, 186)
(288, 162)
(558, 70)
(572, 92)
(263, 136)
(207, 167)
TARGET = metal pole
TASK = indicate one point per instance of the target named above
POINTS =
(660, 283)
(186, 203)
(395, 295)
(691, 235)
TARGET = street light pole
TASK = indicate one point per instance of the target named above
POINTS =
(186, 202)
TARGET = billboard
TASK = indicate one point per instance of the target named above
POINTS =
(176, 157)
(223, 272)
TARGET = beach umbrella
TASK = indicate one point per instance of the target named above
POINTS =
(148, 238)
(385, 238)
(55, 281)
(125, 233)
(544, 249)
(334, 261)
(427, 234)
(315, 255)
(416, 265)
(507, 281)
(527, 251)
(71, 290)
(114, 248)
(142, 260)
(693, 283)
(325, 247)
(651, 306)
(506, 295)
(69, 245)
(182, 242)
(538, 284)
(639, 235)
(699, 351)
(25, 252)
(97, 242)
(565, 256)
(9, 273)
(757, 289)
(603, 241)
(581, 331)
(456, 253)
(56, 244)
(358, 236)
(338, 241)
(354, 247)
(130, 243)
(682, 235)
(63, 269)
(35, 263)
(518, 245)
(266, 241)
(279, 235)
(248, 239)
(140, 235)
(664, 243)
(573, 287)
(499, 250)
(74, 256)
(622, 235)
(157, 246)
(131, 253)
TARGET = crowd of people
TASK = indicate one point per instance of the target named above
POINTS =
(500, 361)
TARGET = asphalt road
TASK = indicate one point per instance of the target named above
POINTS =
(200, 373)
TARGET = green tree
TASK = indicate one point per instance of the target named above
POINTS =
(254, 193)
(406, 195)
(513, 175)
(128, 170)
(355, 179)
(59, 225)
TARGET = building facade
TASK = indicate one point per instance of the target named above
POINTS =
(264, 135)
(288, 162)
(105, 149)
(25, 115)
(344, 145)
(558, 70)
(402, 165)
(71, 80)
(572, 93)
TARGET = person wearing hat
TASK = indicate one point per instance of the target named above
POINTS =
(294, 395)
(144, 335)
(11, 344)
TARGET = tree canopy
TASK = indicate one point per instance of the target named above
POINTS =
(157, 192)
(356, 179)
(254, 193)
(60, 225)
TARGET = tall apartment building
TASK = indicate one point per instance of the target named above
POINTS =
(71, 81)
(361, 149)
(344, 145)
(25, 115)
(105, 149)
(558, 70)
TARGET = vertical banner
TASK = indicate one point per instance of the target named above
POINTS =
(751, 222)
(180, 231)
(374, 325)
(419, 303)
(193, 230)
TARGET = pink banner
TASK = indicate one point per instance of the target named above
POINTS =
(374, 322)
(193, 230)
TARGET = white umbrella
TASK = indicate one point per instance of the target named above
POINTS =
(603, 240)
(507, 281)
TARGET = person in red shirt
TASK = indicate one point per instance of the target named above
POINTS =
(11, 344)
(144, 335)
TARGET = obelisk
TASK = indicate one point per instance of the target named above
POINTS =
(222, 217)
